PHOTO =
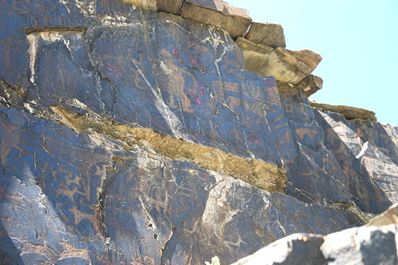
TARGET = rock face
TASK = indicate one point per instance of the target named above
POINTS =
(129, 136)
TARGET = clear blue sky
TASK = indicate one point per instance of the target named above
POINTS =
(358, 41)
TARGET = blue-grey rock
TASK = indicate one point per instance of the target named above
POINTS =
(92, 193)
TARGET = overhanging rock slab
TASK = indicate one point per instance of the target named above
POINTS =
(267, 34)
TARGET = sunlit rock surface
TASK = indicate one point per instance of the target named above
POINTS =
(88, 186)
(267, 34)
(218, 13)
(371, 244)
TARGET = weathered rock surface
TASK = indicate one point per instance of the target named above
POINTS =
(267, 34)
(249, 46)
(307, 86)
(169, 6)
(310, 84)
(360, 245)
(11, 95)
(144, 4)
(291, 66)
(285, 65)
(218, 13)
(392, 133)
(348, 112)
(129, 136)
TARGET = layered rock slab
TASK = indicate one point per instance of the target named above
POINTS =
(267, 34)
(350, 113)
(169, 6)
(285, 65)
(218, 13)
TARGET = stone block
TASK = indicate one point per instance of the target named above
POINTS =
(219, 14)
(285, 65)
(310, 84)
(169, 6)
(267, 34)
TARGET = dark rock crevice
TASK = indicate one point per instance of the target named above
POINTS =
(92, 35)
(60, 29)
(12, 96)
(169, 248)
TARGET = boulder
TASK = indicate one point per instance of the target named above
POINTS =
(363, 245)
(267, 34)
(219, 14)
(295, 249)
(169, 6)
(359, 245)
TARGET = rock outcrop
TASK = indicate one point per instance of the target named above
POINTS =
(263, 44)
(291, 67)
(348, 112)
(129, 135)
(218, 13)
(268, 34)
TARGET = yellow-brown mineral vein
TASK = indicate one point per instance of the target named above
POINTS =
(261, 174)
